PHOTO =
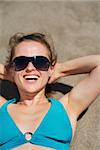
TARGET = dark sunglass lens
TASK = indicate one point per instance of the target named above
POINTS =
(20, 63)
(42, 63)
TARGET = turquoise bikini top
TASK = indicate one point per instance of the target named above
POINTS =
(54, 131)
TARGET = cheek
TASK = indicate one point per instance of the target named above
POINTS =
(45, 78)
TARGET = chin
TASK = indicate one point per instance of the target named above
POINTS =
(32, 90)
(32, 86)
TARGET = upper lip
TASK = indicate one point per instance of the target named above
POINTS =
(31, 75)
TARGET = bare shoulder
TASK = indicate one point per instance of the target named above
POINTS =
(2, 100)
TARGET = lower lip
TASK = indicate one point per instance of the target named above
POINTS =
(30, 81)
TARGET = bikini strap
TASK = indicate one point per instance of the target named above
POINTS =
(4, 106)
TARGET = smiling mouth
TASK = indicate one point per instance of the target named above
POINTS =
(31, 77)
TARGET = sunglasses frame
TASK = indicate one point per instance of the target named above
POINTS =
(34, 60)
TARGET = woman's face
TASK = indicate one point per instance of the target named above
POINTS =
(30, 79)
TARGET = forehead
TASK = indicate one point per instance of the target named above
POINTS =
(31, 48)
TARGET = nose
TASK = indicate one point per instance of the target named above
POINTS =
(30, 67)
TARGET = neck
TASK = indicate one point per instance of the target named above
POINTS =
(33, 98)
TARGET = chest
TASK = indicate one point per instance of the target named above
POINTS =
(28, 120)
(52, 125)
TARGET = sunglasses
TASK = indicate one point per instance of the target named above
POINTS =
(40, 62)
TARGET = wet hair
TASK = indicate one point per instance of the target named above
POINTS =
(38, 37)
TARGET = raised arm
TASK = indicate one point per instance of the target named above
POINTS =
(2, 70)
(2, 76)
(82, 95)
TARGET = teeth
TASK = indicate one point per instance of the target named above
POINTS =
(31, 77)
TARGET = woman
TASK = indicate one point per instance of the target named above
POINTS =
(38, 122)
